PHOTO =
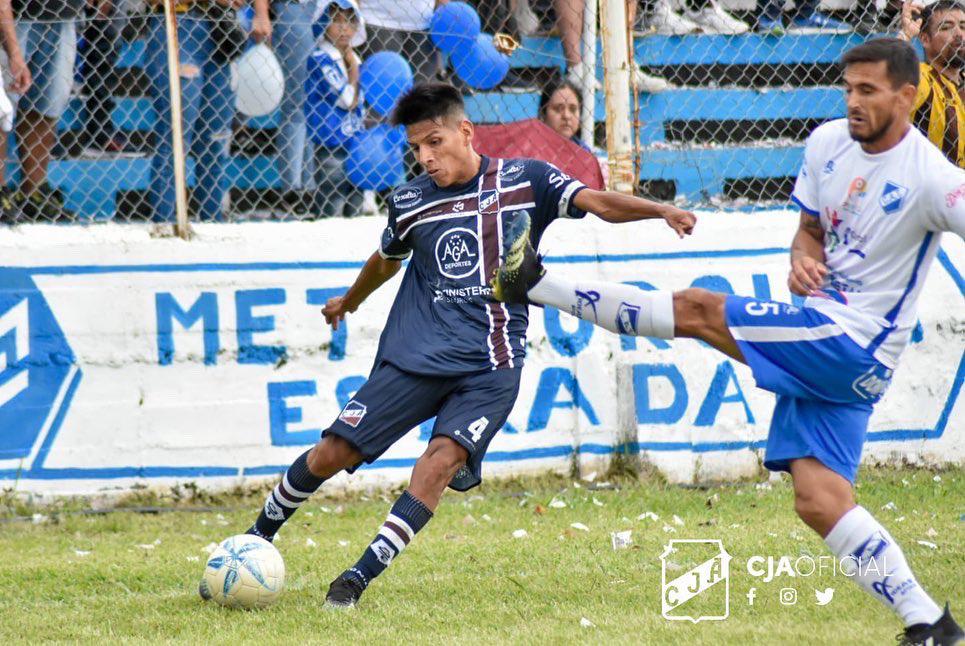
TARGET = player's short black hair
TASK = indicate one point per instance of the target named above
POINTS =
(928, 13)
(552, 88)
(427, 102)
(900, 58)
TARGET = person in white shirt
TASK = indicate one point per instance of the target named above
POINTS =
(402, 27)
(875, 197)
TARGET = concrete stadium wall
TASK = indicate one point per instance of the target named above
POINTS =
(129, 359)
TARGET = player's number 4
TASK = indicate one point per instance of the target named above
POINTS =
(477, 428)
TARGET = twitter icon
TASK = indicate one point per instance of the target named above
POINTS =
(824, 596)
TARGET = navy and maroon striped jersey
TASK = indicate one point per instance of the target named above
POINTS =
(444, 320)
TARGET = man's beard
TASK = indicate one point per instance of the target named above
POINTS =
(875, 135)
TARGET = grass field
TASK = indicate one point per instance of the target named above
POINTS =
(133, 576)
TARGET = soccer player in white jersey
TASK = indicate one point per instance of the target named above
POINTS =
(875, 198)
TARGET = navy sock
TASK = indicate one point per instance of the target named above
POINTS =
(407, 517)
(295, 487)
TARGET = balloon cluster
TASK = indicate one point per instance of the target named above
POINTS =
(456, 30)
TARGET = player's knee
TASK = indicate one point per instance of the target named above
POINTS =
(331, 455)
(445, 456)
(694, 309)
(819, 510)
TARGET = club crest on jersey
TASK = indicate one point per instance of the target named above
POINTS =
(353, 413)
(407, 198)
(512, 172)
(627, 317)
(892, 197)
(457, 253)
(487, 203)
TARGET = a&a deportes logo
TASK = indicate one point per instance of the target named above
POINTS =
(695, 580)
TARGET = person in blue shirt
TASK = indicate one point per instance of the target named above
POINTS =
(449, 350)
(333, 107)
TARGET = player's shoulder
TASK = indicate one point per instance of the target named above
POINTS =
(520, 169)
(831, 134)
(412, 194)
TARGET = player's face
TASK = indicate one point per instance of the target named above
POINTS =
(945, 39)
(562, 113)
(443, 149)
(874, 104)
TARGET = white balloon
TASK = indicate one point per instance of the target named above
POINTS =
(260, 81)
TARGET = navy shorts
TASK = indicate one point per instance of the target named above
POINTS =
(826, 384)
(470, 409)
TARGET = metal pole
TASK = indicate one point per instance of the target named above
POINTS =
(587, 115)
(616, 83)
(181, 228)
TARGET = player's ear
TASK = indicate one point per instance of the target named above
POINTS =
(908, 92)
(467, 129)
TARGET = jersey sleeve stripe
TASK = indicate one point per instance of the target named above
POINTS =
(804, 207)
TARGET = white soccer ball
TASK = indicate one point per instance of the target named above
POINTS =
(245, 571)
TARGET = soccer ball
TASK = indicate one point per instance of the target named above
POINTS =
(245, 571)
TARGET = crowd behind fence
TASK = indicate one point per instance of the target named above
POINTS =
(286, 105)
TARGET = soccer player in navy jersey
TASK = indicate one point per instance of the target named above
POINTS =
(448, 350)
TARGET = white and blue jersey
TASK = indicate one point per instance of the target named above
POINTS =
(444, 320)
(832, 359)
(330, 117)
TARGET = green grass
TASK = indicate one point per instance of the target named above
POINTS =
(467, 580)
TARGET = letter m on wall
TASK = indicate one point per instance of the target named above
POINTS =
(14, 348)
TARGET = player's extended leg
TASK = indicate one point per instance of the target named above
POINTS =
(306, 474)
(619, 308)
(824, 500)
(431, 475)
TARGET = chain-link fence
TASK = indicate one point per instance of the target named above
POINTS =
(286, 114)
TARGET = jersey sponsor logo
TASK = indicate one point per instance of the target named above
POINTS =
(487, 202)
(407, 198)
(461, 294)
(952, 198)
(459, 207)
(353, 413)
(873, 383)
(829, 167)
(892, 197)
(627, 317)
(512, 172)
(457, 252)
(889, 591)
(585, 300)
(856, 191)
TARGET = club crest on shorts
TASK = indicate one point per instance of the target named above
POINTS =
(353, 413)
(700, 587)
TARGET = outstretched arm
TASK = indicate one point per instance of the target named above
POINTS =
(376, 271)
(617, 208)
(808, 270)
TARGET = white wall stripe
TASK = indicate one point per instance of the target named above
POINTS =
(776, 334)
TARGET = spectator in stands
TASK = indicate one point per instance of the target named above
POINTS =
(559, 108)
(292, 41)
(939, 110)
(15, 68)
(207, 44)
(805, 19)
(333, 107)
(403, 27)
(697, 16)
(47, 32)
(569, 21)
(101, 34)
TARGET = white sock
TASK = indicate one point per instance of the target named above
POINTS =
(881, 570)
(622, 309)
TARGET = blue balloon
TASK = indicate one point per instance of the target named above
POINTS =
(384, 77)
(480, 65)
(374, 159)
(454, 25)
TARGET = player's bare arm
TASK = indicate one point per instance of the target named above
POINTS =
(808, 270)
(617, 208)
(376, 272)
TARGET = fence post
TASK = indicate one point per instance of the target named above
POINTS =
(181, 228)
(616, 83)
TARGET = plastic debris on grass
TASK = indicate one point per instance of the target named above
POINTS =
(648, 515)
(520, 533)
(621, 540)
(586, 623)
(928, 544)
(580, 526)
(310, 543)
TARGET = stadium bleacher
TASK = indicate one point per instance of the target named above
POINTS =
(737, 127)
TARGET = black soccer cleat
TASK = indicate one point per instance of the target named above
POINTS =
(344, 592)
(521, 266)
(944, 632)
